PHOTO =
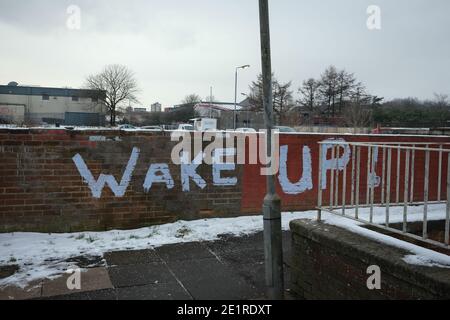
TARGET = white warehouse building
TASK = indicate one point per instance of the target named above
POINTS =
(42, 105)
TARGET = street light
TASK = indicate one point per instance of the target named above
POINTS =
(235, 91)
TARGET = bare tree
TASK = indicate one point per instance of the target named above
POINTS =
(309, 94)
(441, 100)
(345, 84)
(360, 95)
(357, 115)
(119, 84)
(329, 88)
(282, 100)
(282, 96)
(191, 99)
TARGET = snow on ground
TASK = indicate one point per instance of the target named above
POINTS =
(43, 255)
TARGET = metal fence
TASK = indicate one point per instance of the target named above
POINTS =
(411, 175)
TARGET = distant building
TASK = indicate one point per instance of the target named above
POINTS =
(246, 103)
(178, 107)
(224, 111)
(215, 109)
(41, 105)
(156, 107)
(140, 109)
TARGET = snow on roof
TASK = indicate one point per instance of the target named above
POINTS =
(221, 107)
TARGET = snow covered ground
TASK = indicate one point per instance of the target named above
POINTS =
(43, 255)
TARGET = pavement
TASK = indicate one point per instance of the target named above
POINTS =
(229, 269)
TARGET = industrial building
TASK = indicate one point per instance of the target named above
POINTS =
(42, 105)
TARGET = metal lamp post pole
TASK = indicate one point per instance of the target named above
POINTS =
(235, 92)
(273, 246)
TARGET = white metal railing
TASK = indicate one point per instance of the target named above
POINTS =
(408, 166)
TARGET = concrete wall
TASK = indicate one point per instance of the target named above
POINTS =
(57, 180)
(36, 108)
(331, 263)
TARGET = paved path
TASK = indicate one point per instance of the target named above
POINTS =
(231, 269)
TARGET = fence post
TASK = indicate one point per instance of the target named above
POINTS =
(426, 194)
(344, 190)
(383, 176)
(358, 177)
(447, 220)
(439, 197)
(397, 190)
(320, 194)
(333, 156)
(413, 172)
(405, 208)
(369, 160)
(388, 186)
(372, 185)
(352, 196)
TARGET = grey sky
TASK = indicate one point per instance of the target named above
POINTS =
(177, 47)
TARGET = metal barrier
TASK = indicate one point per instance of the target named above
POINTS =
(407, 166)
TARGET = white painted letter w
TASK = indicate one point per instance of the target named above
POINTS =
(97, 186)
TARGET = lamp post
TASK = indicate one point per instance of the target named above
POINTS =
(235, 92)
(273, 246)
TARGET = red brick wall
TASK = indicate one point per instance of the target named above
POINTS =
(41, 188)
(254, 185)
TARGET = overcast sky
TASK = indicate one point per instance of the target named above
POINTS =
(178, 47)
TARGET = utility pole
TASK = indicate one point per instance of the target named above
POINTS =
(273, 245)
(210, 101)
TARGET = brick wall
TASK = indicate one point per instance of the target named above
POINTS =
(332, 263)
(254, 184)
(41, 187)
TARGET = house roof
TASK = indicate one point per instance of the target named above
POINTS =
(57, 92)
(222, 106)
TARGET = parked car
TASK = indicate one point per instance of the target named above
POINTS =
(186, 127)
(127, 127)
(152, 128)
(284, 129)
